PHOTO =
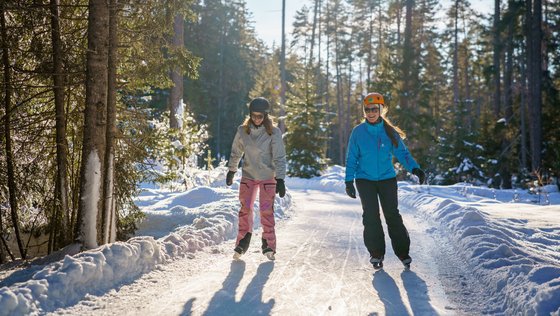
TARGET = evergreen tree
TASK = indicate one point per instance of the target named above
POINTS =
(306, 132)
(231, 55)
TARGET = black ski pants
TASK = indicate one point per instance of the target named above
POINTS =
(374, 238)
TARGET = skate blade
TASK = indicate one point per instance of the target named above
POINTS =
(270, 255)
(236, 256)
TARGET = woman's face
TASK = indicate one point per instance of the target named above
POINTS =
(257, 118)
(371, 112)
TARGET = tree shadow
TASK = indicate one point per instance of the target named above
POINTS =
(417, 292)
(223, 301)
(389, 294)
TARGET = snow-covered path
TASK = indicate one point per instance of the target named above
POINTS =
(321, 268)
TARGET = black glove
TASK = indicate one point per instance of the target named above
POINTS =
(350, 190)
(420, 174)
(280, 187)
(229, 178)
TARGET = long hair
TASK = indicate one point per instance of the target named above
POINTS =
(391, 129)
(268, 123)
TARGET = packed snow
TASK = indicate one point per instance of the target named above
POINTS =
(505, 241)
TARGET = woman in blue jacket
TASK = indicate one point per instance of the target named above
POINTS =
(369, 161)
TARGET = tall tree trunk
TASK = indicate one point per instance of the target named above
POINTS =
(407, 58)
(330, 149)
(339, 91)
(496, 60)
(314, 27)
(505, 171)
(282, 112)
(60, 222)
(379, 36)
(12, 188)
(320, 89)
(369, 65)
(348, 111)
(223, 28)
(535, 84)
(456, 97)
(522, 114)
(533, 31)
(93, 150)
(529, 73)
(176, 94)
(109, 212)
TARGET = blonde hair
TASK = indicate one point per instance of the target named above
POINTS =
(391, 129)
(268, 123)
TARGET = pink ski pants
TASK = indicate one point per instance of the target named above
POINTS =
(247, 195)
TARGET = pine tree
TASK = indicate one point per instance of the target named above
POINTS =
(306, 133)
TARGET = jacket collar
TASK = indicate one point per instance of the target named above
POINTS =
(375, 127)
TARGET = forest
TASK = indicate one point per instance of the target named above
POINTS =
(100, 96)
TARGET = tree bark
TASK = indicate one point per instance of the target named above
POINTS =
(505, 171)
(12, 188)
(314, 27)
(282, 112)
(60, 221)
(535, 85)
(407, 57)
(496, 60)
(176, 94)
(456, 97)
(522, 115)
(533, 29)
(109, 212)
(95, 121)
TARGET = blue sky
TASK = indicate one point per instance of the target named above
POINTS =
(267, 15)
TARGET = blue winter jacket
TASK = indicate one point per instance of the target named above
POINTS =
(370, 154)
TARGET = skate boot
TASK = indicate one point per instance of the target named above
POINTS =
(376, 262)
(267, 251)
(237, 252)
(406, 262)
(242, 246)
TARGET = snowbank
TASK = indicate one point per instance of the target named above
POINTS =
(331, 179)
(516, 260)
(198, 218)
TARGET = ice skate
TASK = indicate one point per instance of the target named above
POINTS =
(269, 253)
(237, 252)
(406, 263)
(376, 262)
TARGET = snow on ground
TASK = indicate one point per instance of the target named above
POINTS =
(506, 239)
(512, 248)
(321, 268)
(177, 224)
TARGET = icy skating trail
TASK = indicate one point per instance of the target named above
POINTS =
(321, 268)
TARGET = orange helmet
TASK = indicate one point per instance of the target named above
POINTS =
(373, 98)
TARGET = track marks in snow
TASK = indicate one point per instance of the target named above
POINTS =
(321, 268)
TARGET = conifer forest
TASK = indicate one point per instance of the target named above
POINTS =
(99, 96)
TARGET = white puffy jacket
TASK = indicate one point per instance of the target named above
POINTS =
(265, 156)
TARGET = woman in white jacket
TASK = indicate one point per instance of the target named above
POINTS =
(260, 144)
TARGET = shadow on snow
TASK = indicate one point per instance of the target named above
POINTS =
(389, 294)
(250, 303)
